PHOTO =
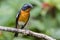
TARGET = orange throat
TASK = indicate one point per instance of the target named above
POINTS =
(24, 16)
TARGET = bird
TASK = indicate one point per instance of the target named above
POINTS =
(23, 17)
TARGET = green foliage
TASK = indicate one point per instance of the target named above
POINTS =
(39, 21)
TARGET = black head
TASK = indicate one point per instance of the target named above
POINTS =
(26, 6)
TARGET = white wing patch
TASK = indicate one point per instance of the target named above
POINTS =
(16, 15)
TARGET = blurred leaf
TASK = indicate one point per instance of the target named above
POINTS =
(20, 38)
(57, 3)
(38, 25)
(35, 12)
(54, 33)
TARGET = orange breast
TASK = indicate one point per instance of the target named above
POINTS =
(23, 16)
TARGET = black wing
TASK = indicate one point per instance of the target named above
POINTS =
(17, 17)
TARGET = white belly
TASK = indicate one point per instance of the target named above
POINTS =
(20, 23)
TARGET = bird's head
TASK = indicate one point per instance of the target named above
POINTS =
(27, 7)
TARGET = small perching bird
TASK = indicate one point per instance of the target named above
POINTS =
(23, 17)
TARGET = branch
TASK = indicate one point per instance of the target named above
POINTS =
(27, 32)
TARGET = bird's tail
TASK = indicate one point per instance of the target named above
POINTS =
(16, 34)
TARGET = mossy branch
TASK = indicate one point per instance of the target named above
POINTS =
(26, 32)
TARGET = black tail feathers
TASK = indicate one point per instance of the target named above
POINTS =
(16, 34)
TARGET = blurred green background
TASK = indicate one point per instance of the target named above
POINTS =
(39, 20)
